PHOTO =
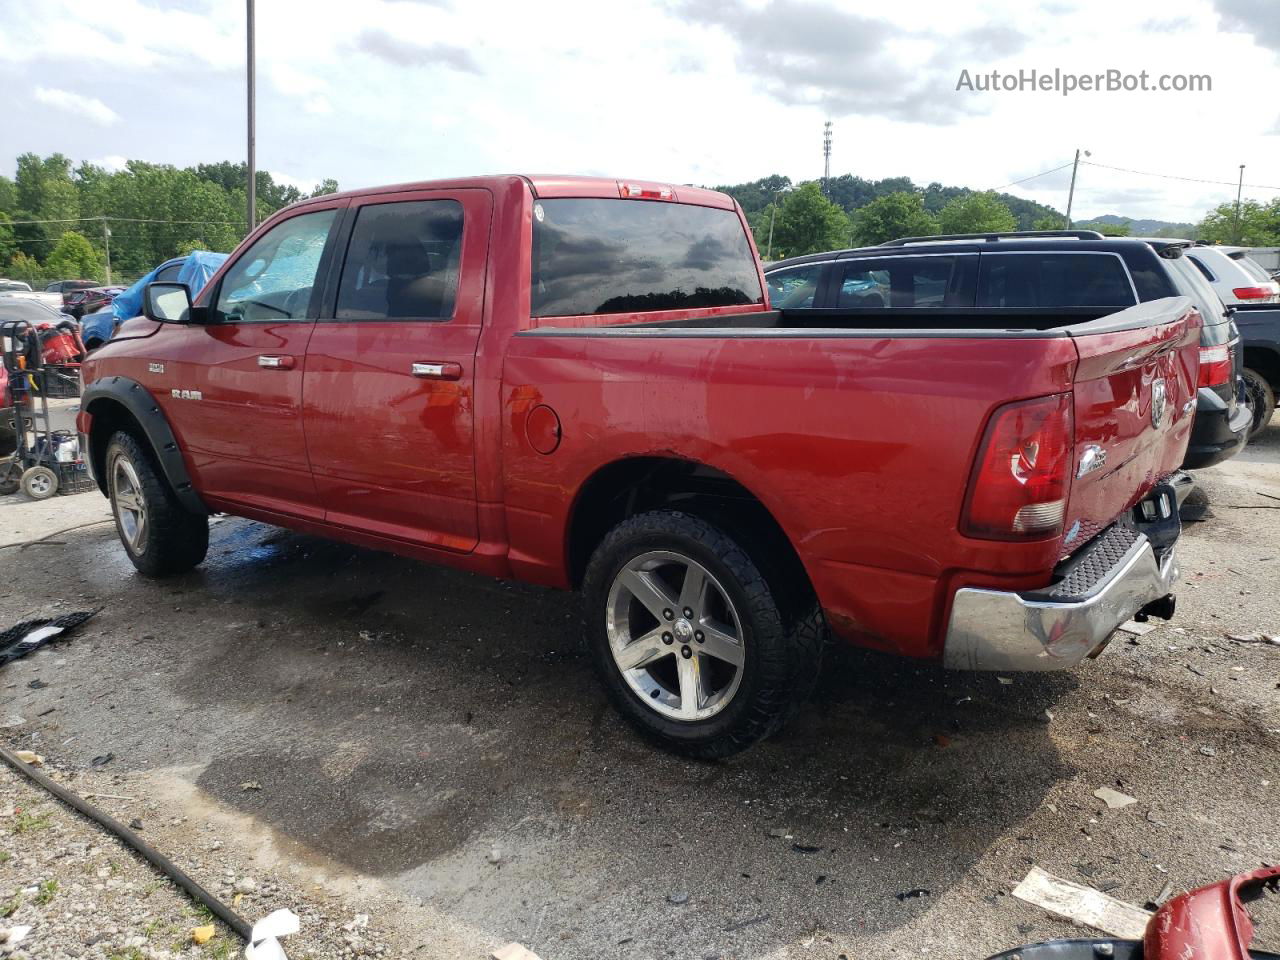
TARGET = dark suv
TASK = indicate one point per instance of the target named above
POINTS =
(1053, 270)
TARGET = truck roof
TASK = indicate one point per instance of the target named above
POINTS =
(550, 185)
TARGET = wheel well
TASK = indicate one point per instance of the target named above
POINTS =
(109, 416)
(640, 484)
(1266, 362)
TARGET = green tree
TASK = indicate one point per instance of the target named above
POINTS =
(325, 187)
(1050, 221)
(1107, 229)
(807, 222)
(899, 214)
(976, 213)
(73, 257)
(8, 245)
(1258, 224)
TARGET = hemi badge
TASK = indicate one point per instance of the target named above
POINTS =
(1093, 458)
(155, 368)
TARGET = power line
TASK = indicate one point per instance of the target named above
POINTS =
(129, 219)
(1169, 176)
(1035, 176)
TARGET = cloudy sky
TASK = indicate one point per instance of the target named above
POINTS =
(701, 91)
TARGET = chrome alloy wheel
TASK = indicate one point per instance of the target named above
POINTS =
(131, 508)
(675, 635)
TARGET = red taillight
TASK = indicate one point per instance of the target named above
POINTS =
(1253, 293)
(1019, 486)
(1215, 366)
(633, 191)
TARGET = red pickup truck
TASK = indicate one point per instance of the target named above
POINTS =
(578, 382)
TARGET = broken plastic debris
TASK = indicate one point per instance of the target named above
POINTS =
(1005, 680)
(266, 933)
(202, 935)
(514, 951)
(28, 756)
(1114, 799)
(23, 638)
(1082, 904)
(251, 785)
(13, 936)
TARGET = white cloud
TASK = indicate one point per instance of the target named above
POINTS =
(91, 108)
(111, 162)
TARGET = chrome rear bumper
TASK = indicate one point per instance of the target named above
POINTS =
(998, 630)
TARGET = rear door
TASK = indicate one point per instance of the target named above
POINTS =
(390, 380)
(1134, 401)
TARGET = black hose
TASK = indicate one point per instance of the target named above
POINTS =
(131, 839)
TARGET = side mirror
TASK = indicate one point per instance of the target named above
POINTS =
(170, 303)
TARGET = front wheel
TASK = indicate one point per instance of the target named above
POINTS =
(160, 536)
(689, 637)
(1262, 400)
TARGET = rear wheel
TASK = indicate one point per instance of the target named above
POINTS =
(39, 483)
(161, 537)
(10, 477)
(1262, 399)
(689, 637)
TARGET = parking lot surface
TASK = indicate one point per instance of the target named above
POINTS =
(430, 747)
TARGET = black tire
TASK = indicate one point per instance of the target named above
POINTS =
(10, 477)
(782, 648)
(1262, 399)
(39, 483)
(172, 540)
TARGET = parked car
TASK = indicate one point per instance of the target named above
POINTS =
(63, 286)
(579, 383)
(1235, 276)
(1055, 270)
(83, 300)
(1260, 332)
(194, 269)
(14, 285)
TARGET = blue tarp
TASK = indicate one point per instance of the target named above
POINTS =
(197, 268)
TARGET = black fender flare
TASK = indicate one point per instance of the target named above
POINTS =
(142, 406)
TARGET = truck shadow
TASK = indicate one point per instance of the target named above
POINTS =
(417, 723)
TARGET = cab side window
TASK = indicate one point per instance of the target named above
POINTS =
(274, 278)
(402, 262)
(795, 287)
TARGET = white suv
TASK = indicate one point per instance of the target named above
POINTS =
(1234, 275)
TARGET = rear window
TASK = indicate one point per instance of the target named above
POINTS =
(600, 256)
(1251, 267)
(1053, 280)
(1208, 274)
(922, 282)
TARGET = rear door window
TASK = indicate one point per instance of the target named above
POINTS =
(795, 287)
(601, 256)
(1053, 280)
(921, 282)
(402, 262)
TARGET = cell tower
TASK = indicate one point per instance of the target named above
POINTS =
(826, 154)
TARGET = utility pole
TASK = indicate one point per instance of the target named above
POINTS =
(253, 184)
(1239, 191)
(1071, 194)
(106, 243)
(826, 155)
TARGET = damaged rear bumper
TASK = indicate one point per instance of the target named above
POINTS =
(1119, 574)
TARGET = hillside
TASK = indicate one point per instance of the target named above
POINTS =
(1149, 228)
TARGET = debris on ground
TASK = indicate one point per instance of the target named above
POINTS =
(678, 898)
(1156, 902)
(1265, 638)
(28, 756)
(1114, 799)
(30, 635)
(913, 894)
(514, 951)
(202, 935)
(1082, 904)
(1137, 629)
(264, 941)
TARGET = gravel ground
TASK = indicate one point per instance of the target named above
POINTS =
(429, 748)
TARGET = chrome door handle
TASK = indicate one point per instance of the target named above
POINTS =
(275, 363)
(437, 371)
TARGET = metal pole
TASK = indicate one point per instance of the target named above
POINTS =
(1071, 194)
(253, 185)
(1239, 191)
(106, 242)
(768, 254)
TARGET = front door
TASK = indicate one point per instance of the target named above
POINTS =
(390, 383)
(235, 383)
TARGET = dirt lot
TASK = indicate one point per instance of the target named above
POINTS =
(432, 751)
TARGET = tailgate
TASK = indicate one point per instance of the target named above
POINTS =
(1135, 397)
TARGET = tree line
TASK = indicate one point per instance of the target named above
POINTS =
(152, 212)
(792, 219)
